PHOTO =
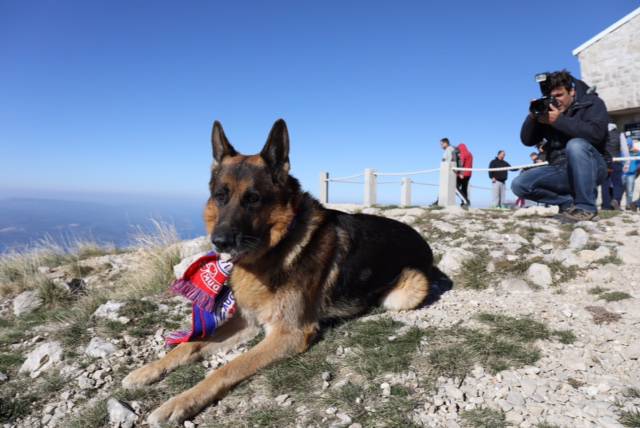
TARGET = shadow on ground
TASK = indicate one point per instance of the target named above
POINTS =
(440, 284)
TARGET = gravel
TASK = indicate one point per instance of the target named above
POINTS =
(572, 384)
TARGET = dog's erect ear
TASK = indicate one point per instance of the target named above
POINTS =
(276, 151)
(219, 143)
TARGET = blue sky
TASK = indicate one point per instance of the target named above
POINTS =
(119, 96)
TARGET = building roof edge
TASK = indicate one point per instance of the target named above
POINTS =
(606, 31)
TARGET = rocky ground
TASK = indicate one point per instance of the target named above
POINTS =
(535, 324)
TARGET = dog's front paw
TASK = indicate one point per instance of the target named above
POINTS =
(143, 376)
(173, 412)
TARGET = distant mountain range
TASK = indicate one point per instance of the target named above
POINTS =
(26, 221)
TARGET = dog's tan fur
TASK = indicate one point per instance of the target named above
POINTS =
(289, 310)
(412, 288)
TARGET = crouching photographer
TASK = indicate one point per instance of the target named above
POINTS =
(572, 120)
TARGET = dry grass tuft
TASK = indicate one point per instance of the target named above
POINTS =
(160, 254)
(20, 270)
(474, 271)
(602, 316)
(484, 418)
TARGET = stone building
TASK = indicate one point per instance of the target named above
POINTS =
(611, 61)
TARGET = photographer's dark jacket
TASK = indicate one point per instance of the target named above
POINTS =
(586, 118)
(498, 175)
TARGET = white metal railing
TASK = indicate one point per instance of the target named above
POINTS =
(423, 171)
(502, 168)
(446, 185)
(623, 159)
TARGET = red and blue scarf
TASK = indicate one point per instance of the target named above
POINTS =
(205, 284)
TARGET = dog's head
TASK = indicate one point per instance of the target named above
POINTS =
(250, 206)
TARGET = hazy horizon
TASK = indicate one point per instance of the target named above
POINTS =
(65, 216)
(25, 222)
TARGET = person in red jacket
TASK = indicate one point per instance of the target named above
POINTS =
(463, 177)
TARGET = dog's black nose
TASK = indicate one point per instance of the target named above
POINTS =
(224, 241)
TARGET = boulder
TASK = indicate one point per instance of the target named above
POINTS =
(567, 257)
(371, 210)
(540, 275)
(443, 226)
(110, 310)
(26, 302)
(452, 261)
(603, 252)
(454, 211)
(42, 358)
(515, 286)
(193, 246)
(536, 211)
(120, 414)
(579, 239)
(628, 254)
(99, 348)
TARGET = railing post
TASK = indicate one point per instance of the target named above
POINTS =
(447, 190)
(324, 188)
(405, 192)
(369, 187)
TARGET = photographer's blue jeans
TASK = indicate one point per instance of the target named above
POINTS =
(612, 187)
(573, 183)
(629, 184)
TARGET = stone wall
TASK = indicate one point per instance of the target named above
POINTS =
(613, 65)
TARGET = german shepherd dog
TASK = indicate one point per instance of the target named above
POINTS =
(296, 264)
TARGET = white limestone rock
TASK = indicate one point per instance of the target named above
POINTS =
(41, 359)
(26, 302)
(538, 211)
(347, 208)
(453, 259)
(371, 210)
(110, 311)
(194, 246)
(120, 414)
(540, 275)
(99, 348)
(515, 286)
(602, 252)
(579, 239)
(443, 226)
(628, 254)
(454, 211)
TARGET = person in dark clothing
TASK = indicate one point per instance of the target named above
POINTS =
(541, 155)
(535, 157)
(498, 179)
(612, 189)
(576, 133)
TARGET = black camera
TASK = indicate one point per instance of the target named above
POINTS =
(540, 107)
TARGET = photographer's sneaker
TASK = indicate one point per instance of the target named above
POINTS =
(562, 210)
(576, 214)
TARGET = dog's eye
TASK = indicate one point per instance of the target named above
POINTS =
(220, 196)
(252, 198)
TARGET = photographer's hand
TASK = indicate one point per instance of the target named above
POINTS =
(553, 114)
